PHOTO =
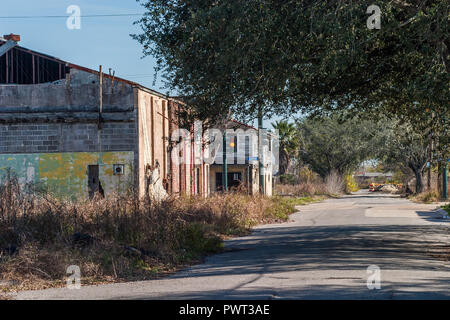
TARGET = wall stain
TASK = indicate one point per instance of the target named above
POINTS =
(65, 174)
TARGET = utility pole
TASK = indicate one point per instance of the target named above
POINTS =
(100, 110)
(444, 180)
(430, 161)
(224, 164)
(100, 90)
(261, 153)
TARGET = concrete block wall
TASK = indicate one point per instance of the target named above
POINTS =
(50, 132)
(62, 116)
(67, 137)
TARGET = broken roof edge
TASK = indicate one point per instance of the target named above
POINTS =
(89, 70)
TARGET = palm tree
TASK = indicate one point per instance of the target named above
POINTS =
(289, 143)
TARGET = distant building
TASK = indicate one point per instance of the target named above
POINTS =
(242, 167)
(363, 177)
(374, 174)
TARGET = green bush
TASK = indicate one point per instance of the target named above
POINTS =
(287, 178)
(196, 242)
(350, 184)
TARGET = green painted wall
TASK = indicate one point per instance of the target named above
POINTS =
(65, 174)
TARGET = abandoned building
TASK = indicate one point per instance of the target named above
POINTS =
(79, 131)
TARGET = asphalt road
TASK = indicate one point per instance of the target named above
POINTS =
(323, 253)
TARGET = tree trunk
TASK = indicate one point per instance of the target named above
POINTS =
(430, 156)
(419, 180)
(439, 178)
(284, 162)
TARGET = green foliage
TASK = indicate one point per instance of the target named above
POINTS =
(313, 56)
(447, 208)
(289, 143)
(281, 210)
(405, 150)
(329, 144)
(300, 201)
(195, 240)
(287, 178)
(285, 206)
(305, 174)
(399, 177)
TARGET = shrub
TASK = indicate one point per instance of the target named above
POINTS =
(427, 197)
(350, 184)
(287, 178)
(334, 183)
(305, 174)
(447, 208)
(301, 189)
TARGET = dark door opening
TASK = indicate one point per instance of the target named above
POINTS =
(234, 180)
(94, 184)
(197, 181)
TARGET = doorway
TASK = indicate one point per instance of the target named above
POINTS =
(234, 180)
(94, 184)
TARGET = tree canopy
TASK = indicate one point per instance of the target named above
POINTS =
(328, 144)
(405, 148)
(313, 56)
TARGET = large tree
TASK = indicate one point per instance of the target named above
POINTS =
(329, 144)
(404, 148)
(314, 56)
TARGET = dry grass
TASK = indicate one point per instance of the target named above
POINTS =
(427, 197)
(335, 184)
(301, 189)
(117, 239)
(332, 185)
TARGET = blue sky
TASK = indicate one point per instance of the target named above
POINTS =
(100, 41)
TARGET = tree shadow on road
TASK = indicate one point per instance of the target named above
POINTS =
(334, 248)
(428, 289)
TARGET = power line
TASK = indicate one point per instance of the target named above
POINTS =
(67, 16)
(138, 75)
